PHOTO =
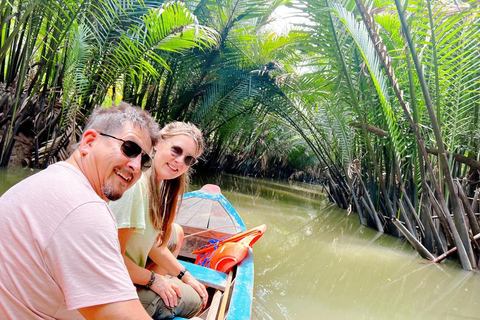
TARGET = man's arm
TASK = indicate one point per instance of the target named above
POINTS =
(131, 309)
(142, 276)
(83, 256)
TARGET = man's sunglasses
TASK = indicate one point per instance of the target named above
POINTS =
(177, 151)
(132, 150)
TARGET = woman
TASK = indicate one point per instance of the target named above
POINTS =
(145, 217)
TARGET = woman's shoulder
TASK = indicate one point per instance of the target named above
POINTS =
(130, 209)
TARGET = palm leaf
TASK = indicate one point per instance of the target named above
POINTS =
(360, 34)
(141, 40)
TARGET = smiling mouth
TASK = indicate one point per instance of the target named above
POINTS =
(127, 177)
(172, 167)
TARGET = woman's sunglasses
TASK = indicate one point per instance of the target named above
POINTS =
(132, 150)
(177, 151)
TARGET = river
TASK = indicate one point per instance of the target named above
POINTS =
(317, 262)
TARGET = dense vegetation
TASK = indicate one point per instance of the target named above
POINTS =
(379, 100)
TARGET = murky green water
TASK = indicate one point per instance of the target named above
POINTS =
(315, 262)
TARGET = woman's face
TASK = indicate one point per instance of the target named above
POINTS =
(169, 163)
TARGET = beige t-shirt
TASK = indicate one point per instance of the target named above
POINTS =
(131, 211)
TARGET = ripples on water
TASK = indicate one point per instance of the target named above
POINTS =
(315, 262)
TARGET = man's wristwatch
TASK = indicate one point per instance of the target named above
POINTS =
(152, 279)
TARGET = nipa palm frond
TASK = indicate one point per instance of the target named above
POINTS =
(366, 47)
(171, 28)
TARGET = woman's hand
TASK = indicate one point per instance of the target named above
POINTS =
(197, 286)
(167, 290)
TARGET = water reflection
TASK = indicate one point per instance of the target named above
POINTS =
(315, 262)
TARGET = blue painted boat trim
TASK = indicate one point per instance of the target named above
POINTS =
(242, 295)
(241, 302)
(209, 277)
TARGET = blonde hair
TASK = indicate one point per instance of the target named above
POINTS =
(166, 197)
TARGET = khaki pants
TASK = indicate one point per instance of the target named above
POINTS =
(188, 305)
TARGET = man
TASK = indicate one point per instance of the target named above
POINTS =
(59, 253)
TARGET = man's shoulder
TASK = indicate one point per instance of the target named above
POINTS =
(59, 188)
(65, 168)
(55, 173)
(64, 179)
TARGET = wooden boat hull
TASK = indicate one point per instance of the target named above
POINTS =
(206, 214)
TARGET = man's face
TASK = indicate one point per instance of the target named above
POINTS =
(115, 172)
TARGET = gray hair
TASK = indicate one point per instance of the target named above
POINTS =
(112, 120)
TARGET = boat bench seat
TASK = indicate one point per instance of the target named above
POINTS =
(209, 277)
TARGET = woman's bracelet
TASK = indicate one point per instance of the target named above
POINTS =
(182, 273)
(152, 279)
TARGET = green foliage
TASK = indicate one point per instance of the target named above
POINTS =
(84, 48)
(131, 39)
(263, 96)
(360, 34)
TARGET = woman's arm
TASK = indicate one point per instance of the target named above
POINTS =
(161, 286)
(138, 274)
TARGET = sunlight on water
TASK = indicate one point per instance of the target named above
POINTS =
(315, 262)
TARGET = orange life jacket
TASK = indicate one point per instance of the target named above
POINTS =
(224, 254)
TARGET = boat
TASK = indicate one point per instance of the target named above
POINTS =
(204, 215)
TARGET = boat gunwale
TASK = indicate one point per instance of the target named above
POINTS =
(240, 306)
